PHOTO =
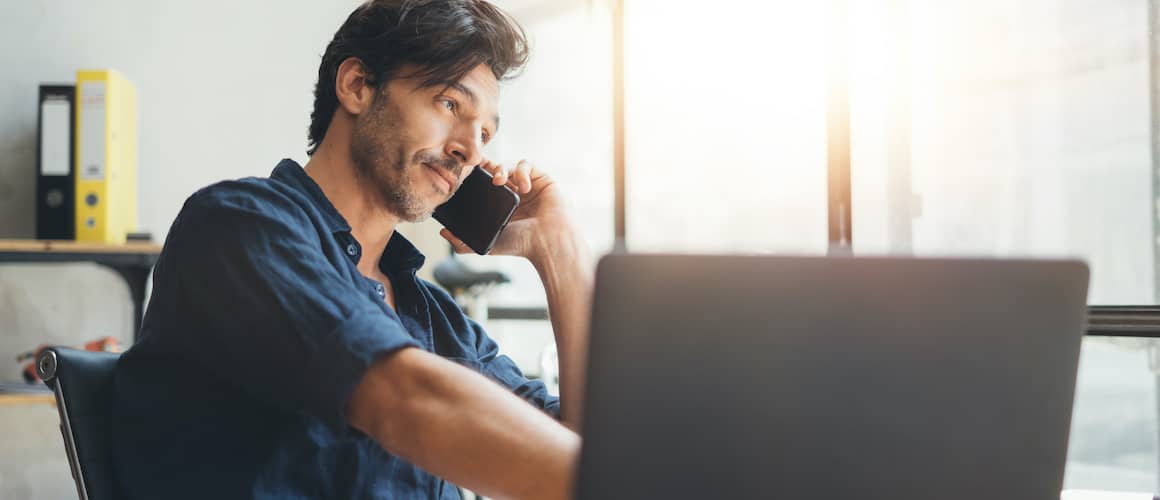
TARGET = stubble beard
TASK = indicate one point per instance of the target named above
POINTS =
(377, 152)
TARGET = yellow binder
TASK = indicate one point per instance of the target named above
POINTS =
(106, 177)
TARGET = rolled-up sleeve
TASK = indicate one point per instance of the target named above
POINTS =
(274, 316)
(504, 370)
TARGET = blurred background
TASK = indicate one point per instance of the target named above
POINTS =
(956, 127)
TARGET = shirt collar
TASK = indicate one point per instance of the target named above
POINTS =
(291, 173)
(400, 254)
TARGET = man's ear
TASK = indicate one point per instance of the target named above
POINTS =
(354, 91)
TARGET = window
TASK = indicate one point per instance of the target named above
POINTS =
(1113, 426)
(977, 128)
(1002, 128)
(725, 126)
(1025, 132)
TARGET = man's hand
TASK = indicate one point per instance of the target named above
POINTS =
(540, 231)
(537, 223)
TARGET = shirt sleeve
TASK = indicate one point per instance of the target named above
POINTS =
(273, 315)
(503, 369)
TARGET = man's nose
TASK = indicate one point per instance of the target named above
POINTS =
(466, 147)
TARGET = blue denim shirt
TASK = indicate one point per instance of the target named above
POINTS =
(257, 331)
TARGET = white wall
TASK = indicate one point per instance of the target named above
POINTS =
(224, 88)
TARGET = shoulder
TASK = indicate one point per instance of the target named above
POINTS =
(262, 197)
(249, 207)
(247, 194)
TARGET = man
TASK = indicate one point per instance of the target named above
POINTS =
(289, 351)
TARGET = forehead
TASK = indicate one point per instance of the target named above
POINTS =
(482, 82)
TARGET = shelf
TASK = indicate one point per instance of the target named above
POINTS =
(61, 246)
(26, 399)
(133, 261)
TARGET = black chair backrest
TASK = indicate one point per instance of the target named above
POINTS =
(83, 384)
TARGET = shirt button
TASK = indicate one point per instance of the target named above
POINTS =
(352, 249)
(380, 290)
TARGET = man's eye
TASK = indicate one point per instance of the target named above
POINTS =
(449, 104)
(485, 137)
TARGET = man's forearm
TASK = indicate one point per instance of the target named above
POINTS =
(565, 267)
(459, 425)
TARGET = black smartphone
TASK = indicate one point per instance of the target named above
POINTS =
(478, 211)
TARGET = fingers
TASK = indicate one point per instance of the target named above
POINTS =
(499, 176)
(522, 177)
(519, 180)
(460, 246)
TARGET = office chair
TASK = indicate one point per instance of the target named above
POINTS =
(82, 382)
(467, 286)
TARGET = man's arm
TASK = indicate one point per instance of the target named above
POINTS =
(541, 231)
(565, 268)
(460, 426)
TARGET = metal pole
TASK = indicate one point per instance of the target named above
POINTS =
(838, 133)
(1154, 97)
(618, 157)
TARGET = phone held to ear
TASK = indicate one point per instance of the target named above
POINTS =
(478, 211)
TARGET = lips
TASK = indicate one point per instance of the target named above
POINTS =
(444, 179)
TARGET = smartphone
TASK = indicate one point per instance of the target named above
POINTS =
(478, 211)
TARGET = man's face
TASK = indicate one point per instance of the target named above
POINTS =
(415, 145)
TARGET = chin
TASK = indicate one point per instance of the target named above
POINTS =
(409, 206)
(416, 215)
(421, 217)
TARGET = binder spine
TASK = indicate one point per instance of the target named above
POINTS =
(106, 168)
(55, 163)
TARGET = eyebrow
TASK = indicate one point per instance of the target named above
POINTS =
(473, 98)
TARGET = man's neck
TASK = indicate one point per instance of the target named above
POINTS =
(370, 223)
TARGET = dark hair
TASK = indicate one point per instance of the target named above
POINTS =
(446, 39)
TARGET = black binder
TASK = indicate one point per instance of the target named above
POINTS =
(56, 163)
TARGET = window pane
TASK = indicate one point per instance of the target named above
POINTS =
(996, 128)
(989, 127)
(725, 118)
(1113, 426)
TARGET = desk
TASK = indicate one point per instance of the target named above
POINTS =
(132, 262)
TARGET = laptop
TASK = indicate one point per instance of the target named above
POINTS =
(729, 377)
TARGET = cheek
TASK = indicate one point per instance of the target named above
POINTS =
(430, 129)
(367, 137)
